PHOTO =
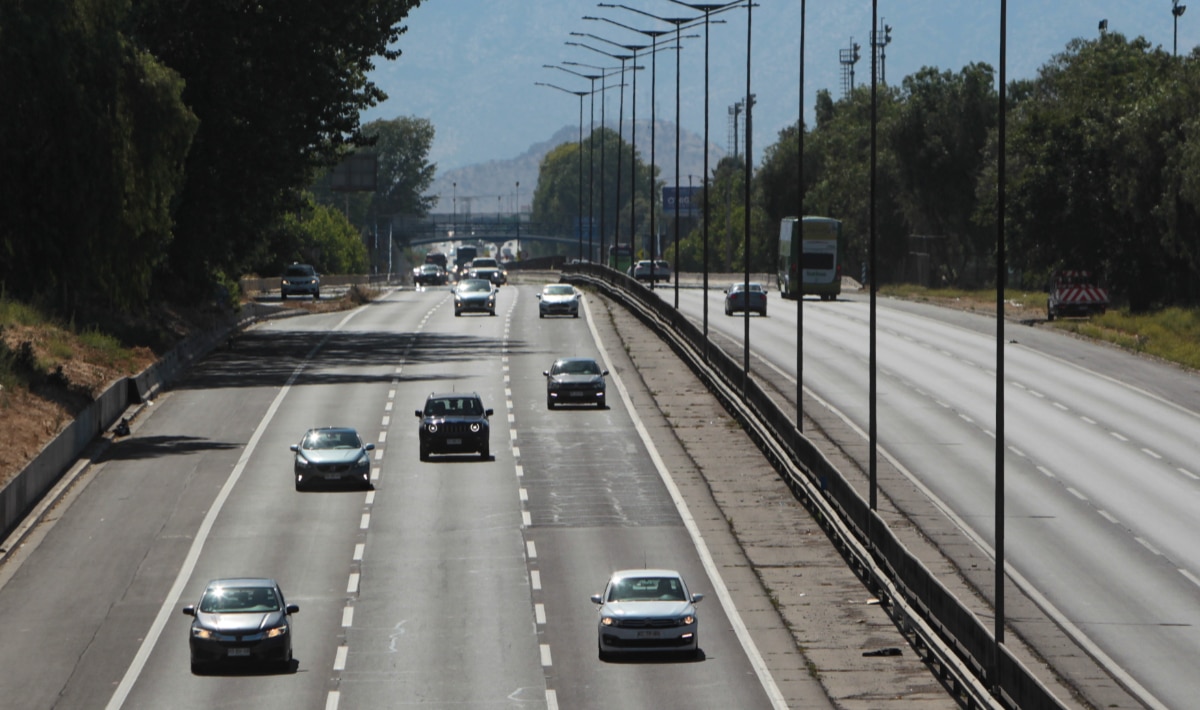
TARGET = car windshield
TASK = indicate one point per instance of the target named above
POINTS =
(485, 263)
(557, 290)
(453, 407)
(647, 589)
(299, 270)
(576, 367)
(331, 440)
(475, 286)
(239, 600)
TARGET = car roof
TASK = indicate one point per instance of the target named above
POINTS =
(334, 429)
(651, 572)
(452, 395)
(575, 359)
(243, 582)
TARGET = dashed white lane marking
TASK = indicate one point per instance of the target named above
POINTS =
(535, 580)
(545, 649)
(539, 613)
(526, 519)
(359, 549)
(531, 550)
(331, 700)
(521, 471)
(1146, 544)
(352, 583)
(1117, 436)
(388, 407)
(1089, 420)
(1076, 493)
(347, 617)
(365, 522)
(1046, 471)
(1188, 473)
(339, 660)
(1152, 454)
(1109, 517)
(1191, 577)
(370, 498)
(523, 495)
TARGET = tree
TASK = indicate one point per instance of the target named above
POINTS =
(94, 134)
(278, 86)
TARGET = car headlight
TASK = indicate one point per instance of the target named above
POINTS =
(606, 621)
(474, 427)
(302, 462)
(277, 631)
(363, 460)
(431, 428)
(688, 620)
(202, 633)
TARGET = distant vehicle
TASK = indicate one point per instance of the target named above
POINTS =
(300, 280)
(454, 423)
(429, 275)
(241, 619)
(1075, 292)
(651, 271)
(463, 256)
(436, 257)
(647, 610)
(811, 251)
(332, 454)
(474, 296)
(575, 380)
(739, 300)
(558, 300)
(620, 257)
(485, 267)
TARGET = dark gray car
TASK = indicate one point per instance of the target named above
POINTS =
(332, 454)
(240, 620)
(575, 380)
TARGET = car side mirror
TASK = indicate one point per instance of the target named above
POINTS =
(189, 610)
(488, 412)
(597, 599)
(604, 373)
(697, 597)
(292, 608)
(294, 447)
(545, 373)
(420, 413)
(369, 447)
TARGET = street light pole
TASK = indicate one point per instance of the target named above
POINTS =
(707, 9)
(579, 212)
(1177, 11)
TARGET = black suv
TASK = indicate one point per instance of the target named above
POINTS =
(454, 423)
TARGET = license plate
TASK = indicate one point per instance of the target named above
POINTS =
(239, 652)
(454, 442)
(331, 477)
(576, 394)
(649, 634)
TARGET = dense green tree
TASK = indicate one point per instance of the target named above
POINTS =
(93, 134)
(278, 86)
(556, 199)
(320, 235)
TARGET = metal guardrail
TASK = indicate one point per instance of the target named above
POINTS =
(950, 637)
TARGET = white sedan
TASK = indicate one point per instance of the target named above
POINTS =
(647, 610)
(558, 300)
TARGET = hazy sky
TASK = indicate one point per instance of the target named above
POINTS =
(470, 66)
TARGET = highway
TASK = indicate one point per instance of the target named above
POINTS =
(1102, 481)
(452, 583)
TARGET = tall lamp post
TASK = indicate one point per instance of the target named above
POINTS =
(1177, 11)
(622, 58)
(604, 74)
(579, 218)
(707, 9)
(678, 22)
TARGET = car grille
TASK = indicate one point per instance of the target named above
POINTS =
(456, 428)
(646, 623)
(334, 467)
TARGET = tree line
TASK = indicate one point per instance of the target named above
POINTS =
(1101, 174)
(157, 149)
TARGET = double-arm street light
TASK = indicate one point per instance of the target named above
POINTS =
(1177, 11)
(622, 58)
(708, 9)
(579, 213)
(678, 22)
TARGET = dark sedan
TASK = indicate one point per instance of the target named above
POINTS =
(241, 619)
(332, 454)
(429, 275)
(575, 380)
(454, 423)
